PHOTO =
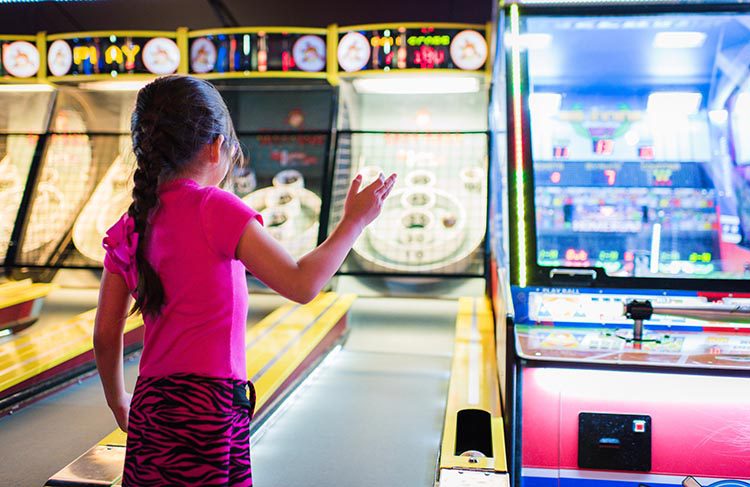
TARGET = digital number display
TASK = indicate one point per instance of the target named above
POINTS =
(604, 147)
(560, 152)
(646, 152)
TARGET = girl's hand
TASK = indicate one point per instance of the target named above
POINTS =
(121, 410)
(362, 207)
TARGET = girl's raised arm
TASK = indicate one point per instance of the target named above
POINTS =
(302, 280)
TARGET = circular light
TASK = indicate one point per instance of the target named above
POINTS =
(309, 53)
(353, 52)
(21, 59)
(59, 58)
(202, 55)
(161, 56)
(469, 50)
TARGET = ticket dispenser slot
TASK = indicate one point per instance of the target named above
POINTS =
(474, 432)
(614, 441)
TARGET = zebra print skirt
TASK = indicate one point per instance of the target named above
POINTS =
(189, 430)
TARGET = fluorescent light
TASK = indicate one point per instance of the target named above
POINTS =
(114, 85)
(674, 103)
(718, 117)
(545, 103)
(35, 88)
(529, 41)
(742, 103)
(679, 40)
(416, 85)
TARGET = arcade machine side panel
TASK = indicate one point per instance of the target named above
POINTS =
(83, 182)
(395, 116)
(27, 104)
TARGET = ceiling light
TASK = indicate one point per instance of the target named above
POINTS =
(545, 103)
(679, 40)
(114, 85)
(742, 103)
(718, 117)
(674, 103)
(416, 85)
(529, 41)
(36, 88)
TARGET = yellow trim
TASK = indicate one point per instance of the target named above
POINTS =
(254, 30)
(41, 45)
(412, 71)
(83, 78)
(17, 292)
(119, 33)
(474, 327)
(282, 369)
(15, 37)
(41, 350)
(116, 438)
(182, 44)
(410, 25)
(332, 55)
(264, 74)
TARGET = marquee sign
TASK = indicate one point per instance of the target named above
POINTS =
(114, 54)
(246, 52)
(409, 47)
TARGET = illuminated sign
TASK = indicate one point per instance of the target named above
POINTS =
(354, 51)
(59, 58)
(469, 50)
(20, 59)
(160, 55)
(202, 55)
(113, 55)
(257, 52)
(412, 48)
(309, 53)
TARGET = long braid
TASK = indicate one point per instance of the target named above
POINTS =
(149, 291)
(174, 117)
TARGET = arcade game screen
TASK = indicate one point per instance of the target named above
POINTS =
(25, 116)
(639, 164)
(435, 219)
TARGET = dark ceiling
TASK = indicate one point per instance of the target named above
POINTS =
(53, 17)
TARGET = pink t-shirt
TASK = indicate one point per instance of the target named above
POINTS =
(192, 241)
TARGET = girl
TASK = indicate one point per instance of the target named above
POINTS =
(181, 252)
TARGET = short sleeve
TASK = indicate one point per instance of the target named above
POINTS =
(120, 245)
(224, 217)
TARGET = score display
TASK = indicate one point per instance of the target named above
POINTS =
(395, 48)
(623, 174)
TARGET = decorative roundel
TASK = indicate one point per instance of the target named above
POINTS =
(59, 58)
(21, 59)
(354, 51)
(202, 55)
(161, 55)
(309, 53)
(469, 50)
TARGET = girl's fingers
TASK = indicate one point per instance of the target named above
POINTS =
(354, 188)
(385, 190)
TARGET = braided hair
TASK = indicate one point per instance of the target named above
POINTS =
(174, 118)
